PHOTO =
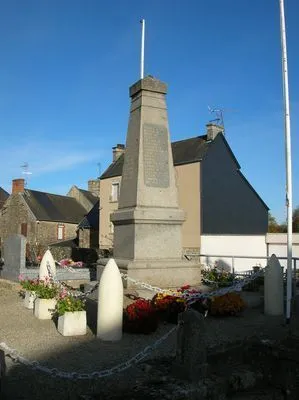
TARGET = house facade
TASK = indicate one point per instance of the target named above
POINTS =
(216, 197)
(3, 197)
(88, 229)
(43, 218)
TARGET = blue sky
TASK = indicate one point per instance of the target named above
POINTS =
(66, 67)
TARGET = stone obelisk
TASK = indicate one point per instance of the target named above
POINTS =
(147, 224)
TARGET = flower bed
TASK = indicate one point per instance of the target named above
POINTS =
(168, 306)
(228, 304)
(68, 262)
(140, 317)
(217, 276)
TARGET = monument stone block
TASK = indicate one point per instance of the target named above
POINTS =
(14, 251)
(191, 354)
(273, 288)
(147, 224)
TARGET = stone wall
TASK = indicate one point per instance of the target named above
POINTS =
(87, 256)
(13, 215)
(47, 231)
(88, 238)
(84, 238)
(94, 187)
(60, 253)
(79, 196)
(39, 233)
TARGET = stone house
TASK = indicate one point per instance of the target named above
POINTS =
(86, 198)
(43, 218)
(3, 197)
(88, 229)
(213, 192)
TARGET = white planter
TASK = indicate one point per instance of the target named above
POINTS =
(44, 308)
(72, 323)
(29, 300)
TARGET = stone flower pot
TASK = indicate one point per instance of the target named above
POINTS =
(29, 299)
(72, 323)
(44, 308)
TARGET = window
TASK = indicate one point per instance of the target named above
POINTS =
(111, 228)
(24, 229)
(60, 231)
(115, 191)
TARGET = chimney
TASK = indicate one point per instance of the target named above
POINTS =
(18, 186)
(94, 187)
(213, 130)
(117, 151)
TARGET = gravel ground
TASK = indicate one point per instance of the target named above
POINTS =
(39, 340)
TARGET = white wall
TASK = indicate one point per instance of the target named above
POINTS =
(255, 246)
(277, 244)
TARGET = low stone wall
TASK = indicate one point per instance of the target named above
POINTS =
(87, 256)
(82, 274)
(60, 252)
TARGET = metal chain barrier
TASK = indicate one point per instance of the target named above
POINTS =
(190, 297)
(72, 291)
(237, 287)
(145, 285)
(54, 372)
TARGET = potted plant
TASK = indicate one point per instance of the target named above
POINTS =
(46, 292)
(29, 286)
(71, 315)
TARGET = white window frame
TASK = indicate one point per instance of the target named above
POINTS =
(60, 231)
(114, 191)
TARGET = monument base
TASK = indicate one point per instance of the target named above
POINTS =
(162, 273)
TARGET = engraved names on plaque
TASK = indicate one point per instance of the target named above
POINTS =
(155, 156)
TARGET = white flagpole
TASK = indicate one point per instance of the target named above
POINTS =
(142, 48)
(289, 200)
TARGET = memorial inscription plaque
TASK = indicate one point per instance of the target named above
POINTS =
(155, 156)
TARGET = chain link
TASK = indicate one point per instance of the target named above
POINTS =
(54, 372)
(193, 297)
(72, 291)
(190, 297)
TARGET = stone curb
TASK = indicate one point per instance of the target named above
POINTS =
(6, 284)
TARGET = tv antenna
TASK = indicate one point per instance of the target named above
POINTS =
(25, 167)
(218, 113)
(219, 116)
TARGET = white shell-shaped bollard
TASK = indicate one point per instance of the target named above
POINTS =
(43, 270)
(273, 287)
(110, 303)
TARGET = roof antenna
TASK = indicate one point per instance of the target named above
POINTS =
(25, 171)
(218, 112)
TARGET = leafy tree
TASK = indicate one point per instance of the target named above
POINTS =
(273, 226)
(296, 220)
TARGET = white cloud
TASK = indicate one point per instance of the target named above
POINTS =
(45, 157)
